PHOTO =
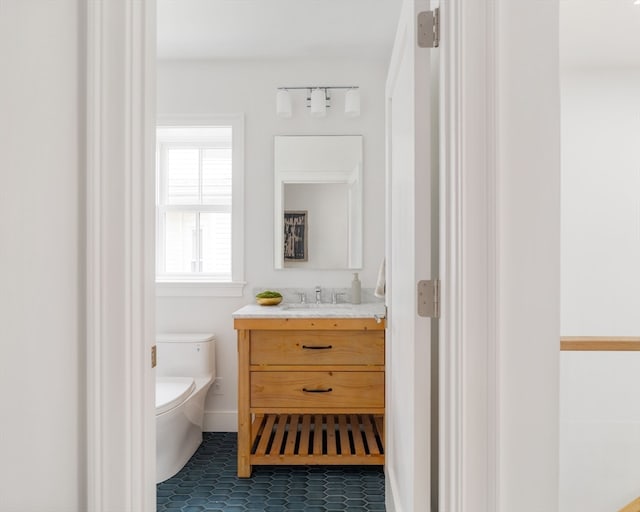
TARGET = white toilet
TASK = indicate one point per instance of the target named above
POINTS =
(185, 371)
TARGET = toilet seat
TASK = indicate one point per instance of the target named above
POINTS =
(172, 391)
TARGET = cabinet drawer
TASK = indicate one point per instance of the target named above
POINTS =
(317, 389)
(317, 347)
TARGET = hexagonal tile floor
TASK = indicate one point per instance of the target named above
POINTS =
(208, 483)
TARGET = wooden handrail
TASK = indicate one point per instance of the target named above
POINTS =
(634, 506)
(600, 343)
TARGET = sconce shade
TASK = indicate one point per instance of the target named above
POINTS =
(352, 103)
(318, 99)
(283, 104)
(318, 103)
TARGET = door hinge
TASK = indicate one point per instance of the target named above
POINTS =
(429, 28)
(154, 356)
(429, 298)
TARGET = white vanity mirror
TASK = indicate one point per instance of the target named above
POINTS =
(318, 201)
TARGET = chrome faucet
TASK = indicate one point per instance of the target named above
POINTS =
(318, 295)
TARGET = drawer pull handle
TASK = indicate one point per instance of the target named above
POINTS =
(317, 347)
(317, 390)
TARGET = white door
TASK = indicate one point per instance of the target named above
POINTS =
(409, 260)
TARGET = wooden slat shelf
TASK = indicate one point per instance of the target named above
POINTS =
(317, 439)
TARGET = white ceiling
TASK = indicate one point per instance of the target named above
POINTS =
(599, 33)
(241, 29)
(592, 32)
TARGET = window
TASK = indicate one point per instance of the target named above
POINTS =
(199, 207)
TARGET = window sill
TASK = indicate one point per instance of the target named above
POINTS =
(199, 289)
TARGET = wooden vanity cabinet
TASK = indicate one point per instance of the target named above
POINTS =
(310, 391)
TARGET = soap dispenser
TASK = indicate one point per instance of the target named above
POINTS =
(355, 289)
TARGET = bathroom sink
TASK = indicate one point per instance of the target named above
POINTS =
(317, 306)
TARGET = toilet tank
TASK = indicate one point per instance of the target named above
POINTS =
(185, 355)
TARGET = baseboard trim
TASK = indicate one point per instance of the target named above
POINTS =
(220, 421)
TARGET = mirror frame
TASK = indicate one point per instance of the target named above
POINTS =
(337, 173)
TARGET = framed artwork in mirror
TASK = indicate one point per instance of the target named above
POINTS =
(295, 235)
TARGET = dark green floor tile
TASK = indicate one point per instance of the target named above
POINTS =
(208, 483)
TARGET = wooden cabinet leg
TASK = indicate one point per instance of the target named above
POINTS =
(244, 416)
(244, 457)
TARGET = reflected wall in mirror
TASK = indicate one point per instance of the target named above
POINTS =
(320, 175)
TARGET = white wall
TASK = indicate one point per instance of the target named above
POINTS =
(600, 202)
(600, 391)
(208, 87)
(599, 430)
(42, 461)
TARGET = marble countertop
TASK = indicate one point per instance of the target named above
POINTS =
(291, 310)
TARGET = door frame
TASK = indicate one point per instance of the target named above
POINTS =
(119, 92)
(477, 364)
(469, 350)
(500, 262)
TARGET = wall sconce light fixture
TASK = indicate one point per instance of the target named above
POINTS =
(352, 103)
(283, 104)
(318, 100)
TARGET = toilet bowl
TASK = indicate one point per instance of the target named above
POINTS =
(184, 374)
